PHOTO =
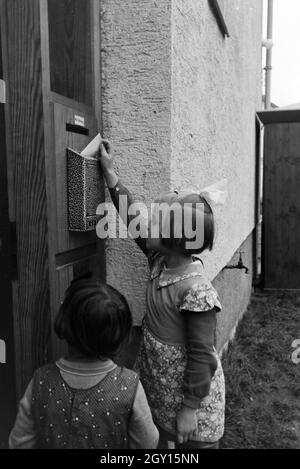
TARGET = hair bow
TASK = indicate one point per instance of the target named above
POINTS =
(215, 194)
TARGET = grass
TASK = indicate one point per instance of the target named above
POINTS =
(262, 382)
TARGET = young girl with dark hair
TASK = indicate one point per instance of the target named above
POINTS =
(178, 363)
(85, 401)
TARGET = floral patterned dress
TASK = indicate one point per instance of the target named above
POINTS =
(163, 356)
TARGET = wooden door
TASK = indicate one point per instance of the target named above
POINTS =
(7, 275)
(71, 70)
(52, 81)
(281, 206)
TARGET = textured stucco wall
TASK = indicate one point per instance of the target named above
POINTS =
(234, 288)
(216, 90)
(178, 103)
(136, 97)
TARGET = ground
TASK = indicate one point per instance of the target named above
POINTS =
(262, 381)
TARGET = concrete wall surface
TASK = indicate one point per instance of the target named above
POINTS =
(178, 104)
(216, 91)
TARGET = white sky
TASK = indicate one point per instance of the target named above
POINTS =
(286, 51)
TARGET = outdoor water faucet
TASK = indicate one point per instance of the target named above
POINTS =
(239, 265)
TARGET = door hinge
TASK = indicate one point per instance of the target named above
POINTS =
(2, 92)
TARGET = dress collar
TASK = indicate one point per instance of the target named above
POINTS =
(86, 368)
(168, 277)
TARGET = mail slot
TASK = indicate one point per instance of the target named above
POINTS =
(77, 129)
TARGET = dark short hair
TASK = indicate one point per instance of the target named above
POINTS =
(194, 200)
(94, 318)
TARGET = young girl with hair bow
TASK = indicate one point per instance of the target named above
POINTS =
(178, 363)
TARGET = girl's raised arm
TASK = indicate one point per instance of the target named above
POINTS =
(118, 192)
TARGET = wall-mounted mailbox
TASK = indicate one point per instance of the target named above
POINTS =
(84, 194)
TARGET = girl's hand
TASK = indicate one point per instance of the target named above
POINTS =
(107, 163)
(106, 156)
(186, 424)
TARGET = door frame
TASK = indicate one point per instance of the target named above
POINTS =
(7, 276)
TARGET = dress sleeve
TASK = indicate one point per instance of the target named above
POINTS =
(116, 193)
(23, 435)
(142, 432)
(199, 307)
(198, 299)
(201, 362)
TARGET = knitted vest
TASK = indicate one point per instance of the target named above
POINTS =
(95, 418)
